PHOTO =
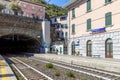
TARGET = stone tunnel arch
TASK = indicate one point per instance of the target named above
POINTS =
(19, 43)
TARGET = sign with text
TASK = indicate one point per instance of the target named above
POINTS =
(99, 30)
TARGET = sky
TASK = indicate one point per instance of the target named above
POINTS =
(58, 2)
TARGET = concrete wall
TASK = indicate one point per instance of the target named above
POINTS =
(104, 64)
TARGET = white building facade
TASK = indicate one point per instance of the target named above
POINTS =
(61, 33)
(94, 28)
(61, 26)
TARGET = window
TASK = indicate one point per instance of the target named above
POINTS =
(33, 7)
(55, 20)
(73, 13)
(107, 1)
(66, 26)
(62, 34)
(66, 34)
(73, 29)
(41, 9)
(63, 18)
(24, 6)
(57, 26)
(108, 19)
(88, 24)
(62, 25)
(88, 5)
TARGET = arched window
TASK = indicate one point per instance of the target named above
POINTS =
(89, 48)
(109, 48)
(73, 47)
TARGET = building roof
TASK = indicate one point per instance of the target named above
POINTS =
(59, 16)
(28, 1)
(70, 3)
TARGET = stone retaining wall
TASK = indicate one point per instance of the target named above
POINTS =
(106, 64)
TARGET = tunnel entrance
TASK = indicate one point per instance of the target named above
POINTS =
(18, 43)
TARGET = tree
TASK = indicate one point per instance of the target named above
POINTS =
(1, 6)
(15, 8)
(51, 9)
(39, 1)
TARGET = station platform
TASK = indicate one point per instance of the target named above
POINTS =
(112, 65)
(5, 71)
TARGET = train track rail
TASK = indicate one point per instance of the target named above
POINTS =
(28, 72)
(102, 75)
(105, 75)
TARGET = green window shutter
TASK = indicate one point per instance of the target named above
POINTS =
(66, 26)
(62, 25)
(108, 19)
(88, 5)
(73, 13)
(88, 24)
(107, 1)
(66, 34)
(73, 28)
(62, 33)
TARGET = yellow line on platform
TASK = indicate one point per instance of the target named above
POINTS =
(5, 75)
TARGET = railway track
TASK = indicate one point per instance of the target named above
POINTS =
(102, 75)
(105, 75)
(28, 72)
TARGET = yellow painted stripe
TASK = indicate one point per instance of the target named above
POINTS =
(5, 75)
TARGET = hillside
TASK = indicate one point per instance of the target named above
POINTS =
(51, 9)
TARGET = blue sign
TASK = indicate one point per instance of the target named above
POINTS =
(99, 30)
(46, 46)
(77, 44)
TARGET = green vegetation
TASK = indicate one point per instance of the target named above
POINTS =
(57, 73)
(49, 65)
(39, 1)
(1, 6)
(15, 8)
(70, 74)
(51, 9)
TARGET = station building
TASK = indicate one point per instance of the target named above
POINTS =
(94, 28)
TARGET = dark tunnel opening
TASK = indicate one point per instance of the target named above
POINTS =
(18, 44)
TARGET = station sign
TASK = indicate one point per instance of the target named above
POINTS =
(99, 30)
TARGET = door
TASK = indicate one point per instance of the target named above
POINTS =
(73, 48)
(89, 48)
(109, 48)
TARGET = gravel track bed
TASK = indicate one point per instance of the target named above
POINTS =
(29, 73)
(41, 66)
(112, 77)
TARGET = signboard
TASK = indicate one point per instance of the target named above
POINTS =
(99, 30)
(77, 44)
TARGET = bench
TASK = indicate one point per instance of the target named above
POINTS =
(96, 56)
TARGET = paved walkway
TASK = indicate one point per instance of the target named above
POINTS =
(5, 70)
(99, 63)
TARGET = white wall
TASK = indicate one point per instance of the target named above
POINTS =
(46, 34)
